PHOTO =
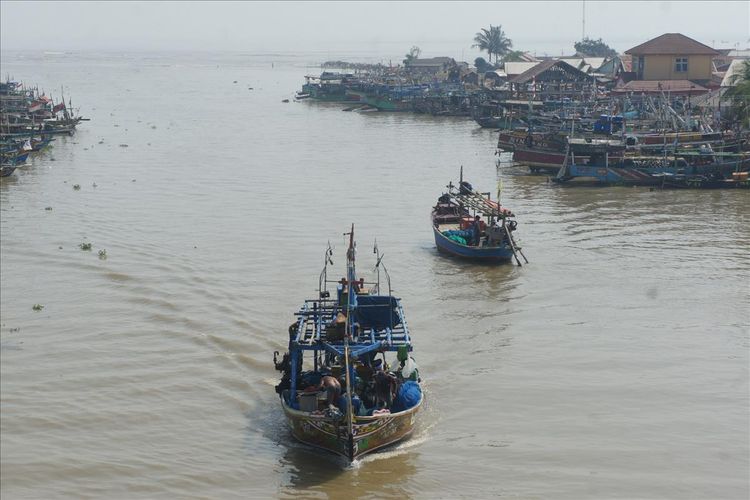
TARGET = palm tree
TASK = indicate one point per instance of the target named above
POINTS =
(493, 41)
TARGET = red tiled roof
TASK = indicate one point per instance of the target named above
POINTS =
(672, 43)
(655, 86)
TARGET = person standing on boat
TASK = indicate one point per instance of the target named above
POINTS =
(495, 232)
(476, 231)
(332, 388)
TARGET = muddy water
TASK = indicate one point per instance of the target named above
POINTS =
(614, 365)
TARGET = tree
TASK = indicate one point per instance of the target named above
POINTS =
(514, 56)
(493, 41)
(482, 65)
(594, 48)
(413, 54)
(740, 94)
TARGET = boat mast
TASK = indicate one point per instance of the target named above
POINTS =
(351, 276)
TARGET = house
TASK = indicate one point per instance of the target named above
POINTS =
(512, 69)
(552, 79)
(673, 56)
(496, 78)
(430, 66)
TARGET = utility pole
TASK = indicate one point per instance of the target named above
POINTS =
(583, 24)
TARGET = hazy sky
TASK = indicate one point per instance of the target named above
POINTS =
(380, 29)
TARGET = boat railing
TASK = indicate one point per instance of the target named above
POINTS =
(315, 317)
(478, 202)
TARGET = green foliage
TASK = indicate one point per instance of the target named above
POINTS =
(77, 187)
(85, 246)
(482, 65)
(493, 41)
(414, 53)
(37, 307)
(740, 95)
(514, 56)
(594, 48)
(103, 254)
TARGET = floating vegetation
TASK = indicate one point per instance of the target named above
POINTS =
(76, 187)
(103, 254)
(85, 246)
(153, 126)
(49, 209)
(93, 184)
(123, 145)
(37, 307)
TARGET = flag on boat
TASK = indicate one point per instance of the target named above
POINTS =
(58, 107)
(36, 107)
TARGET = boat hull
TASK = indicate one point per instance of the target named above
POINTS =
(482, 254)
(7, 170)
(369, 433)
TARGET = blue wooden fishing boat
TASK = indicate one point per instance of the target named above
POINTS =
(470, 225)
(337, 390)
(605, 164)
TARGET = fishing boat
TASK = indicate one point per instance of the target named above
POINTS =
(337, 389)
(7, 169)
(605, 164)
(470, 225)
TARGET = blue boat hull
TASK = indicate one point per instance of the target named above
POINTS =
(481, 254)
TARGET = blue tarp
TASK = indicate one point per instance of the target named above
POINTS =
(408, 396)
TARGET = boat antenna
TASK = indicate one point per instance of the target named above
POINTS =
(323, 280)
(376, 251)
(461, 177)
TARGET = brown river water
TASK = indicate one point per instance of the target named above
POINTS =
(614, 365)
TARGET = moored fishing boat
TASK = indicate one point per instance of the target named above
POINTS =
(7, 170)
(347, 401)
(605, 164)
(470, 225)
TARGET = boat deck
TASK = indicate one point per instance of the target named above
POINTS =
(313, 327)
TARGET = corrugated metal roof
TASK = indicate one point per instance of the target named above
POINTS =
(739, 53)
(433, 61)
(595, 62)
(652, 86)
(516, 68)
(540, 68)
(672, 43)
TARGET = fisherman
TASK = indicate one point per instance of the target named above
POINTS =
(495, 232)
(386, 389)
(332, 387)
(476, 231)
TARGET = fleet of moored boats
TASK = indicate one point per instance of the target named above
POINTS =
(29, 120)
